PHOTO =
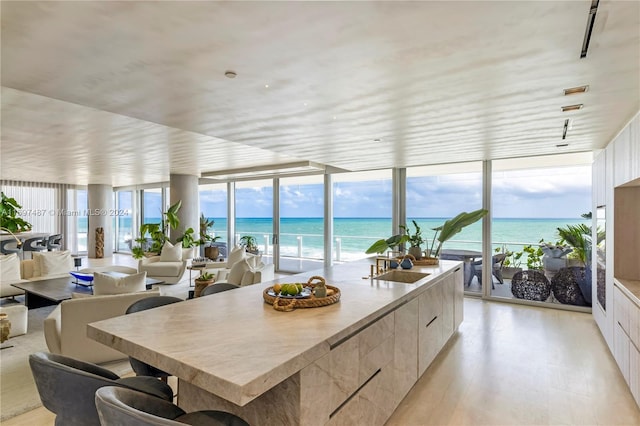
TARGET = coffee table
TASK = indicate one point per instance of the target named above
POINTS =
(53, 291)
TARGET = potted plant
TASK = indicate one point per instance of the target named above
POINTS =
(207, 249)
(188, 241)
(453, 226)
(203, 281)
(250, 243)
(579, 238)
(390, 243)
(157, 233)
(9, 219)
(415, 240)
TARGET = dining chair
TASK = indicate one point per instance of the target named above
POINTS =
(497, 261)
(139, 367)
(34, 244)
(54, 242)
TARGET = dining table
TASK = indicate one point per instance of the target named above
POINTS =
(467, 256)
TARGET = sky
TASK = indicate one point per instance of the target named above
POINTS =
(540, 193)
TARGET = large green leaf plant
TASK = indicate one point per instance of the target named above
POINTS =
(157, 232)
(9, 219)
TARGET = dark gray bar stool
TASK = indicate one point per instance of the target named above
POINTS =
(9, 246)
(118, 406)
(54, 242)
(67, 387)
(218, 288)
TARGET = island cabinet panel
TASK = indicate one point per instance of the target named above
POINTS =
(634, 372)
(405, 351)
(429, 326)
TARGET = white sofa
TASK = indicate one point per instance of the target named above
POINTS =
(65, 329)
(46, 265)
(164, 268)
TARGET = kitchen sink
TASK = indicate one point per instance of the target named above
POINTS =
(402, 276)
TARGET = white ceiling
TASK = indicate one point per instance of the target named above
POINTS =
(126, 93)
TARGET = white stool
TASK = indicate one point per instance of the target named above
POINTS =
(17, 315)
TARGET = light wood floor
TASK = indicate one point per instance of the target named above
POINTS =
(507, 365)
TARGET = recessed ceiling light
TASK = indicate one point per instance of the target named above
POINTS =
(564, 129)
(305, 104)
(334, 117)
(266, 86)
(376, 140)
(572, 107)
(575, 90)
(562, 145)
(230, 74)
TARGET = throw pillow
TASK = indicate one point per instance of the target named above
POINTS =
(248, 278)
(54, 263)
(171, 253)
(237, 272)
(9, 268)
(109, 284)
(237, 254)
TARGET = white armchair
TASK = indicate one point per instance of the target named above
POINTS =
(169, 266)
(65, 329)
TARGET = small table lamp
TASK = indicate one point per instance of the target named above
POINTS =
(77, 262)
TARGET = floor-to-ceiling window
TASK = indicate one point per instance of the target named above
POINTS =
(301, 223)
(152, 206)
(540, 230)
(437, 193)
(123, 224)
(254, 214)
(362, 206)
(213, 205)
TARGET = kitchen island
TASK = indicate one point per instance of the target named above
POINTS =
(348, 363)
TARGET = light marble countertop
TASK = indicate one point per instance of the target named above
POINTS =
(234, 345)
(631, 288)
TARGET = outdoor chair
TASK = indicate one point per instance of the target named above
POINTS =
(218, 288)
(118, 406)
(67, 387)
(139, 367)
(497, 262)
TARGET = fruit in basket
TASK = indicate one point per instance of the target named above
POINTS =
(277, 288)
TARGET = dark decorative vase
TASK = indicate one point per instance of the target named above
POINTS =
(406, 263)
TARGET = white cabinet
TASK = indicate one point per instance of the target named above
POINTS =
(626, 340)
(627, 153)
(599, 179)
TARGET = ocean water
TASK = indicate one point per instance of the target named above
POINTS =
(304, 237)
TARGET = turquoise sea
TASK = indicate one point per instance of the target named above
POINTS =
(352, 236)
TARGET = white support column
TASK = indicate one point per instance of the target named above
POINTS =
(99, 203)
(185, 188)
(276, 224)
(231, 216)
(328, 220)
(487, 251)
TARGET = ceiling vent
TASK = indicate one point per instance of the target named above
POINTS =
(589, 29)
(572, 107)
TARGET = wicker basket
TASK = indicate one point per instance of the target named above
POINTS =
(423, 261)
(286, 305)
